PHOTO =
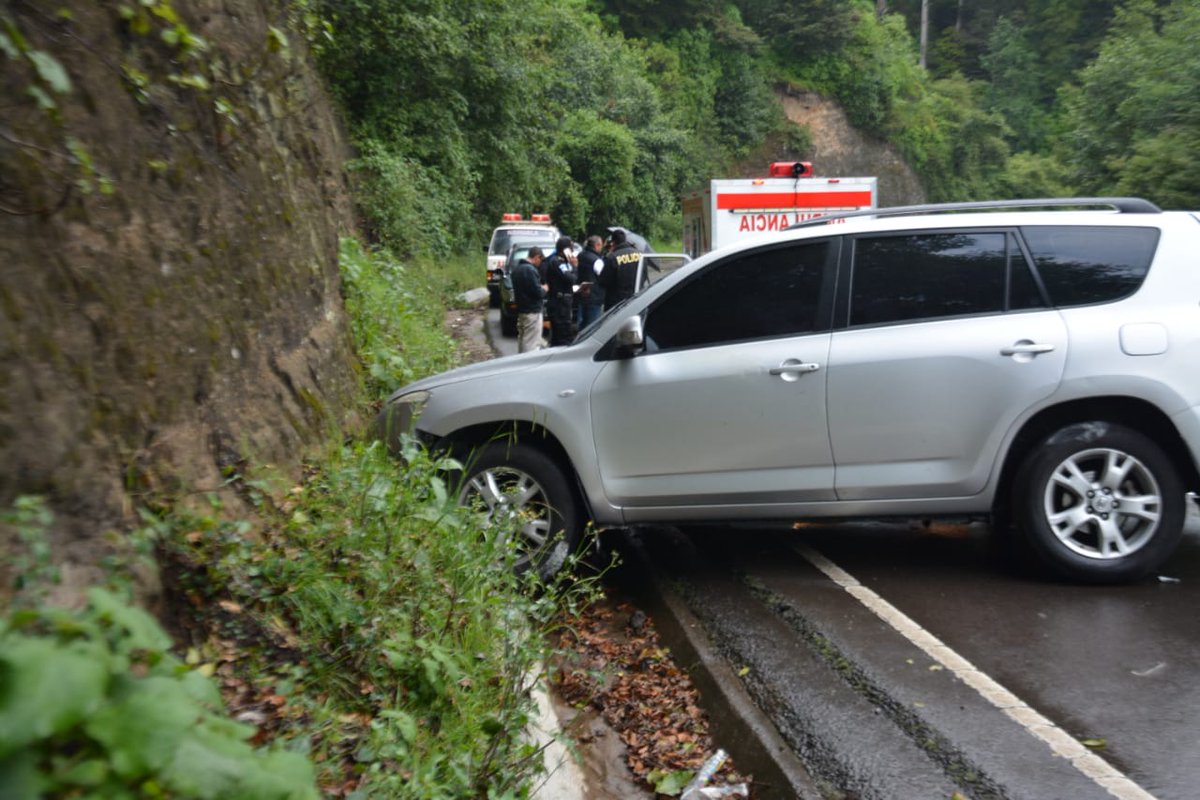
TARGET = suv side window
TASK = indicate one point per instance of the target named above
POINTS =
(932, 275)
(1081, 265)
(764, 293)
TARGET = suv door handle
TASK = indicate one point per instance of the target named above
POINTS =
(1025, 347)
(793, 368)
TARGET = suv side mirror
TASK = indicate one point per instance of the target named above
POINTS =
(630, 339)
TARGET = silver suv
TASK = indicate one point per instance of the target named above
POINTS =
(1033, 364)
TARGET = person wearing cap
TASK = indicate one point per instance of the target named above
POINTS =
(530, 294)
(620, 272)
(560, 283)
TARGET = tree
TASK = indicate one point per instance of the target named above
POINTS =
(802, 29)
(1015, 90)
(601, 154)
(1137, 103)
(924, 32)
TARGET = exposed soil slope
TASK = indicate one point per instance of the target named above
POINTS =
(171, 195)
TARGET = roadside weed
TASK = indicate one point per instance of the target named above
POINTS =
(404, 617)
(396, 318)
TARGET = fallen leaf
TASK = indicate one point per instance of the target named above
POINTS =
(670, 783)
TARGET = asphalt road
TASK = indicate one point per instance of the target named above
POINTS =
(503, 345)
(904, 661)
(900, 661)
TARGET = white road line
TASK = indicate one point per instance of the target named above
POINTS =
(1060, 742)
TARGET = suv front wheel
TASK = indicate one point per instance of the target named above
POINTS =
(1099, 503)
(516, 485)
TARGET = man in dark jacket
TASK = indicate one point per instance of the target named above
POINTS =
(590, 301)
(560, 283)
(619, 276)
(529, 293)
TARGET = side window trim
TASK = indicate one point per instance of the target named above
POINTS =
(1031, 266)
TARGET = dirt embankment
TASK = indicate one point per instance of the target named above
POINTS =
(171, 195)
(839, 149)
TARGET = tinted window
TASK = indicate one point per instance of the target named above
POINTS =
(927, 275)
(755, 295)
(1091, 264)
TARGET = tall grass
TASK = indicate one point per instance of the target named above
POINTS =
(411, 642)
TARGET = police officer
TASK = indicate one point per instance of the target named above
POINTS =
(619, 276)
(591, 299)
(561, 280)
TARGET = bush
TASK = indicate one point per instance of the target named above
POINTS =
(395, 317)
(93, 704)
(406, 642)
(405, 206)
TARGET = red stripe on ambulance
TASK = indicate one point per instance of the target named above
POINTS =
(772, 200)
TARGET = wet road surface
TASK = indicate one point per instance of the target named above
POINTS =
(905, 661)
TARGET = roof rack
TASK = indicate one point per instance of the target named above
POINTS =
(1124, 205)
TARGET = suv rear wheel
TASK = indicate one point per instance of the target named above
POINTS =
(1099, 503)
(518, 485)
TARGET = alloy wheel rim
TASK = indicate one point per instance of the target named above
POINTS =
(1103, 504)
(512, 497)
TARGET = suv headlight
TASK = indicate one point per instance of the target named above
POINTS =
(398, 418)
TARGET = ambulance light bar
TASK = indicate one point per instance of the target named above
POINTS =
(791, 169)
(540, 219)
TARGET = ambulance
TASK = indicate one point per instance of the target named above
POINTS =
(514, 228)
(731, 210)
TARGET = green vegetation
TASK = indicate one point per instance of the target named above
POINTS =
(603, 112)
(367, 633)
(95, 705)
(396, 315)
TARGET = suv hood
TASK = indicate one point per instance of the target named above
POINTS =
(507, 364)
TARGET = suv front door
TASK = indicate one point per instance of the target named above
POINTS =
(944, 341)
(726, 405)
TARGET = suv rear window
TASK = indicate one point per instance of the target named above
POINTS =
(927, 276)
(1081, 265)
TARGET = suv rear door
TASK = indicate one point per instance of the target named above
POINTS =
(942, 342)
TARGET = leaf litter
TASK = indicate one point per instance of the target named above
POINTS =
(612, 661)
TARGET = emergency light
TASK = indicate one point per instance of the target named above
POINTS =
(791, 169)
(510, 217)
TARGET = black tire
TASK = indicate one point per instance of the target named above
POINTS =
(508, 324)
(521, 482)
(493, 296)
(1099, 503)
